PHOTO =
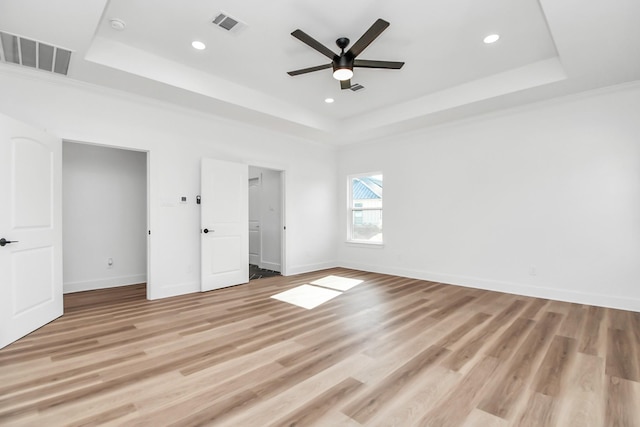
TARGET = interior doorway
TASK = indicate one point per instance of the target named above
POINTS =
(105, 217)
(266, 222)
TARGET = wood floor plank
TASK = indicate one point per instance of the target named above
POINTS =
(478, 418)
(390, 351)
(215, 411)
(584, 398)
(573, 321)
(465, 353)
(622, 355)
(634, 318)
(618, 319)
(409, 406)
(452, 307)
(314, 410)
(300, 395)
(53, 378)
(554, 368)
(365, 407)
(387, 342)
(208, 401)
(156, 406)
(508, 390)
(621, 400)
(511, 338)
(535, 307)
(382, 367)
(454, 336)
(458, 403)
(103, 417)
(539, 411)
(592, 339)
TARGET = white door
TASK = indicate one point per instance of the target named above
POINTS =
(271, 224)
(224, 216)
(31, 218)
(254, 221)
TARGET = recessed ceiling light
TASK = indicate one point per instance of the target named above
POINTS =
(198, 45)
(491, 38)
(117, 24)
(329, 100)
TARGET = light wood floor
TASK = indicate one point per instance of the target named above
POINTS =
(391, 351)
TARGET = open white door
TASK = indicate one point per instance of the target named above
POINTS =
(254, 221)
(224, 233)
(31, 218)
(271, 223)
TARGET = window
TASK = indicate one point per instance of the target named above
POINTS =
(365, 208)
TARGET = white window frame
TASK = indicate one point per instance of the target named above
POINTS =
(350, 209)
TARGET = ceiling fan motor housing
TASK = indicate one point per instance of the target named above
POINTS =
(343, 61)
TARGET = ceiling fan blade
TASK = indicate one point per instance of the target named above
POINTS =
(315, 44)
(308, 70)
(370, 35)
(364, 63)
(345, 84)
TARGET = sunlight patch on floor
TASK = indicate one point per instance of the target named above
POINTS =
(306, 296)
(309, 296)
(337, 282)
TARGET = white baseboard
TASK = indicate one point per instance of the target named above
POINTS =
(600, 300)
(112, 282)
(300, 269)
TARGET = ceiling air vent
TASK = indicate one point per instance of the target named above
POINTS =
(228, 23)
(356, 87)
(33, 54)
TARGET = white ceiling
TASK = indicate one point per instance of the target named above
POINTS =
(547, 48)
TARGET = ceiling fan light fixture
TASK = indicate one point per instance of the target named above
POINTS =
(342, 74)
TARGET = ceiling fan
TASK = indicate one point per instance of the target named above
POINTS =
(344, 63)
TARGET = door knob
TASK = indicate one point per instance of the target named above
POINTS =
(4, 241)
(206, 230)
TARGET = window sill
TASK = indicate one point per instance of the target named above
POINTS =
(363, 244)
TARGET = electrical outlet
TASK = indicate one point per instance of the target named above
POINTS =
(533, 271)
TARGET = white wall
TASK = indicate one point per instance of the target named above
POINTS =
(177, 139)
(554, 186)
(542, 200)
(104, 198)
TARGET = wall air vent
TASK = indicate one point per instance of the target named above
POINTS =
(228, 23)
(33, 54)
(356, 87)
